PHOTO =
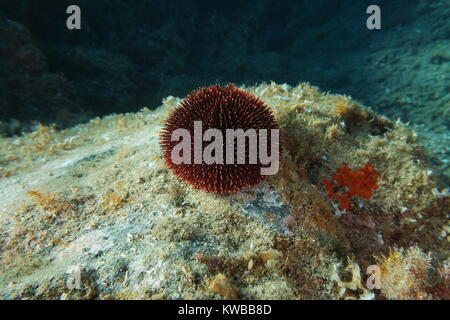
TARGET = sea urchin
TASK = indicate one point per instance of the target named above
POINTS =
(237, 120)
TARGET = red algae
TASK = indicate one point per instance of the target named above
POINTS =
(348, 183)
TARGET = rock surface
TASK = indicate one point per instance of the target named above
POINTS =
(92, 212)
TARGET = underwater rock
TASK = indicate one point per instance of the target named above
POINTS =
(103, 68)
(26, 84)
(93, 212)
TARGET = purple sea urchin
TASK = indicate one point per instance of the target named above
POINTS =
(219, 108)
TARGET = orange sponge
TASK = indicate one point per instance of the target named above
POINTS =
(350, 183)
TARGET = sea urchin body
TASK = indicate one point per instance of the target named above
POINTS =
(221, 108)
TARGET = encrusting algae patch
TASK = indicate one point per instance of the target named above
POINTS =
(98, 198)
